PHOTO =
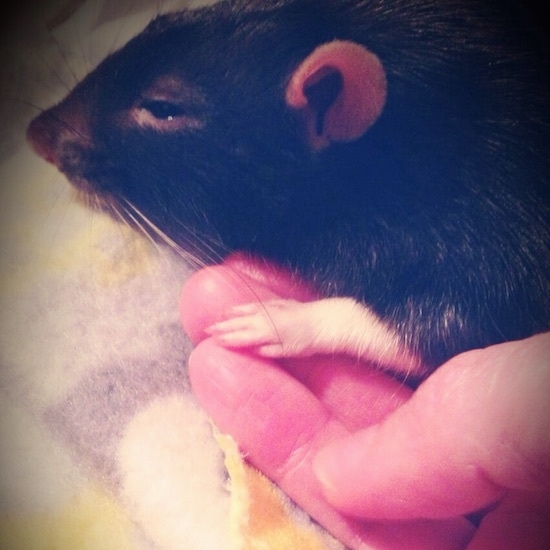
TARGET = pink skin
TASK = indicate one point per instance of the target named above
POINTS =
(360, 101)
(346, 442)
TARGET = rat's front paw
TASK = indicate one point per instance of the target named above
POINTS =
(287, 328)
(276, 328)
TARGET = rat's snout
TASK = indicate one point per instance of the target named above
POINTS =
(43, 134)
(53, 130)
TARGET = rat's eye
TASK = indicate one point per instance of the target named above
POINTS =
(165, 116)
(169, 104)
(163, 110)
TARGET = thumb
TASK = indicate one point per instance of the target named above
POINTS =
(477, 427)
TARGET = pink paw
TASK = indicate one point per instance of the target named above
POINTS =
(274, 328)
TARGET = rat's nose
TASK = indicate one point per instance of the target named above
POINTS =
(51, 131)
(43, 134)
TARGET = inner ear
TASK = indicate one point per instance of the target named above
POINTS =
(321, 91)
(338, 92)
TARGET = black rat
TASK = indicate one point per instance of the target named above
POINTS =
(392, 153)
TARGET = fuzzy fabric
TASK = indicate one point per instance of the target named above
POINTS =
(102, 444)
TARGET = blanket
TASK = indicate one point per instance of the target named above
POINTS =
(102, 444)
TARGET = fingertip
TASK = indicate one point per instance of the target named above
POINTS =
(324, 465)
(208, 295)
(339, 468)
(213, 291)
(198, 302)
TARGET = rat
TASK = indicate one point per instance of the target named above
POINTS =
(392, 154)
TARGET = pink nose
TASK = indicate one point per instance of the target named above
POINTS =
(51, 131)
(43, 133)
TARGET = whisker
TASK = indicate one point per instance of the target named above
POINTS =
(44, 60)
(209, 250)
(63, 13)
(161, 234)
(123, 20)
(65, 60)
(193, 260)
(121, 217)
(90, 256)
(26, 102)
(60, 216)
(143, 230)
(187, 256)
(73, 129)
(63, 190)
(84, 57)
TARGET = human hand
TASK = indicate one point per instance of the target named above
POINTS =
(295, 424)
(475, 436)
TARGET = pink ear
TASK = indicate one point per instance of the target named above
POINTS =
(339, 91)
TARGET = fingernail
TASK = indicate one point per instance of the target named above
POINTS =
(241, 309)
(212, 329)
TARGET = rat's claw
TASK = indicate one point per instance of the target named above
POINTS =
(244, 309)
(273, 351)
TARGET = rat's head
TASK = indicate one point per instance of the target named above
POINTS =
(249, 123)
(208, 125)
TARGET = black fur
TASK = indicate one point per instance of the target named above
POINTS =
(438, 218)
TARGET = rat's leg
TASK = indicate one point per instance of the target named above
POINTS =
(287, 328)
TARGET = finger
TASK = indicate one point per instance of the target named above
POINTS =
(209, 293)
(477, 427)
(280, 426)
(522, 520)
(356, 394)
